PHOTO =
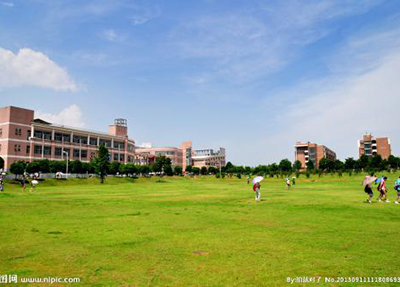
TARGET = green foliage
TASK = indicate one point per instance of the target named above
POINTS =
(18, 168)
(297, 165)
(189, 168)
(203, 170)
(168, 170)
(57, 166)
(178, 170)
(310, 165)
(101, 162)
(114, 167)
(161, 163)
(213, 170)
(1, 163)
(75, 167)
(196, 170)
(285, 166)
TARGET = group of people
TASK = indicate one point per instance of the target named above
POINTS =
(24, 182)
(382, 188)
(257, 186)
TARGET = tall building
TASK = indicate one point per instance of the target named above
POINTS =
(305, 152)
(370, 146)
(209, 157)
(22, 137)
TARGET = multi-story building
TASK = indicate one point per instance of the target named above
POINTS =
(209, 157)
(370, 146)
(22, 137)
(180, 156)
(305, 152)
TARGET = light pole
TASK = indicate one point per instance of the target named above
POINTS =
(64, 152)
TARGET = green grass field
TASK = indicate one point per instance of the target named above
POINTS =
(198, 232)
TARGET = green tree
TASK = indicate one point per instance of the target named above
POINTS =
(114, 167)
(196, 170)
(128, 168)
(285, 166)
(161, 163)
(375, 163)
(18, 168)
(203, 170)
(310, 165)
(101, 162)
(144, 169)
(33, 167)
(57, 166)
(213, 170)
(394, 162)
(178, 170)
(75, 166)
(363, 161)
(297, 165)
(338, 165)
(188, 168)
(350, 164)
(325, 164)
(1, 163)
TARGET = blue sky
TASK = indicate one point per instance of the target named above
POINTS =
(251, 76)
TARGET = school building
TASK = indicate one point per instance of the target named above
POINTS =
(24, 137)
(370, 146)
(305, 152)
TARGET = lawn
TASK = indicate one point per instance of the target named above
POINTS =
(198, 231)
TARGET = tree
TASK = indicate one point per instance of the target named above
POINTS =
(161, 163)
(188, 168)
(75, 166)
(325, 164)
(272, 169)
(128, 168)
(33, 167)
(57, 166)
(363, 161)
(394, 162)
(212, 170)
(114, 167)
(1, 163)
(297, 165)
(338, 165)
(101, 162)
(178, 170)
(285, 166)
(144, 169)
(18, 168)
(350, 164)
(310, 165)
(203, 170)
(229, 168)
(376, 162)
(196, 170)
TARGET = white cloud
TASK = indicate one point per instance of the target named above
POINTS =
(7, 4)
(31, 68)
(240, 47)
(71, 116)
(112, 35)
(144, 14)
(340, 110)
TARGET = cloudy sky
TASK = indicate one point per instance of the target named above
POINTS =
(251, 76)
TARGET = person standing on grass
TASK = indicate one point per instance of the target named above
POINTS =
(397, 188)
(1, 184)
(287, 183)
(368, 190)
(256, 188)
(382, 190)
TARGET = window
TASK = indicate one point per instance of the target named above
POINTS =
(37, 149)
(92, 155)
(47, 150)
(17, 148)
(122, 157)
(47, 136)
(1, 132)
(76, 153)
(58, 151)
(66, 138)
(83, 140)
(0, 147)
(28, 135)
(76, 139)
(93, 141)
(68, 151)
(38, 134)
(115, 156)
(83, 153)
(18, 132)
(119, 145)
(58, 137)
(28, 149)
(106, 143)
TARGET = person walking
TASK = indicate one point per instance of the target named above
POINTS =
(256, 188)
(382, 190)
(367, 182)
(1, 184)
(397, 188)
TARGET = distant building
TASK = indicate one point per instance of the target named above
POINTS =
(22, 137)
(184, 155)
(305, 152)
(370, 146)
(209, 157)
(180, 156)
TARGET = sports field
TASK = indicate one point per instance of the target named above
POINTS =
(198, 232)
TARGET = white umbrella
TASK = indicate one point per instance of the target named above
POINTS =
(257, 179)
(368, 180)
(34, 182)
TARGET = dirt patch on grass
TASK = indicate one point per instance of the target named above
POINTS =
(201, 253)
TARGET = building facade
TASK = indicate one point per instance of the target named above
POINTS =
(370, 146)
(180, 156)
(22, 137)
(305, 152)
(209, 157)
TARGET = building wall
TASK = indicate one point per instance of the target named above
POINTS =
(312, 151)
(19, 140)
(371, 146)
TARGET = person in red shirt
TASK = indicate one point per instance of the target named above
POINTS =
(383, 190)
